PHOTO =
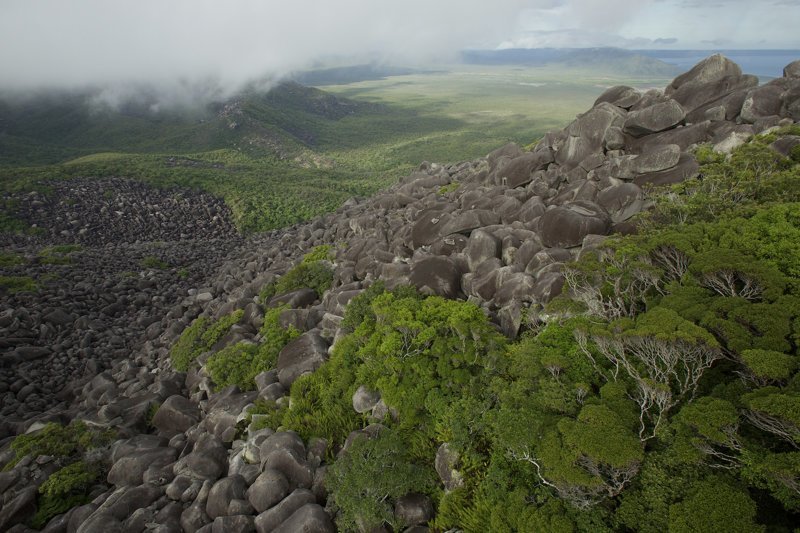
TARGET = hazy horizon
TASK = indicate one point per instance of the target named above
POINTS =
(85, 42)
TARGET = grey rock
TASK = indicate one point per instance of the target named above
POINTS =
(621, 201)
(686, 168)
(18, 509)
(101, 521)
(268, 489)
(710, 69)
(502, 155)
(307, 519)
(548, 286)
(653, 119)
(587, 134)
(79, 515)
(129, 470)
(566, 226)
(233, 524)
(223, 491)
(208, 460)
(302, 355)
(176, 415)
(620, 96)
(290, 464)
(413, 509)
(296, 299)
(270, 519)
(194, 517)
(518, 172)
(517, 287)
(437, 275)
(785, 145)
(445, 463)
(792, 70)
(762, 102)
(482, 245)
(660, 158)
(365, 399)
(467, 221)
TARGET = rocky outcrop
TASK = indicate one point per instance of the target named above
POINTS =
(496, 230)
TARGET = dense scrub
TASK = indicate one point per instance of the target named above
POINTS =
(661, 394)
(73, 450)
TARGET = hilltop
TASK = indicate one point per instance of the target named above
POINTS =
(58, 126)
(596, 331)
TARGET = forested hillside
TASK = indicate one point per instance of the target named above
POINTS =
(596, 332)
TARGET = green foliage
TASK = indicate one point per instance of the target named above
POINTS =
(15, 284)
(312, 274)
(217, 330)
(370, 476)
(422, 355)
(714, 506)
(240, 363)
(153, 262)
(52, 506)
(451, 187)
(10, 259)
(769, 365)
(75, 477)
(151, 413)
(323, 252)
(59, 254)
(64, 489)
(59, 441)
(200, 337)
(189, 345)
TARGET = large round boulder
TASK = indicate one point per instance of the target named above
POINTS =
(304, 354)
(437, 275)
(566, 226)
(710, 69)
(655, 118)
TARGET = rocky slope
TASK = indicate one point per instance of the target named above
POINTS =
(496, 231)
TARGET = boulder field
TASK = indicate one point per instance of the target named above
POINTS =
(496, 231)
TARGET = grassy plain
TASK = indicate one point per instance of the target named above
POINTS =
(297, 154)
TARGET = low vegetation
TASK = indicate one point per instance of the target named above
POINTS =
(199, 337)
(313, 272)
(73, 448)
(239, 364)
(661, 395)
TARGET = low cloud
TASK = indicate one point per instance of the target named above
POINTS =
(52, 43)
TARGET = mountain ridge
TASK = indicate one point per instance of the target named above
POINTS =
(291, 369)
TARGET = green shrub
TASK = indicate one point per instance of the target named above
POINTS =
(371, 476)
(8, 259)
(64, 489)
(189, 345)
(323, 252)
(315, 275)
(241, 363)
(15, 284)
(59, 254)
(153, 262)
(199, 337)
(217, 330)
(59, 441)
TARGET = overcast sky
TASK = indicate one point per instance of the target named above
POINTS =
(78, 42)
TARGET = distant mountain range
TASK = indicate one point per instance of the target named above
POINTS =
(610, 60)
